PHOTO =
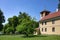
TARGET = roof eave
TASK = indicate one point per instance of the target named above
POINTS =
(55, 18)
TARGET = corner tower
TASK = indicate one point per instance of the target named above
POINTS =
(44, 13)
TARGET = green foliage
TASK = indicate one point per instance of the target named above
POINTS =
(20, 28)
(10, 20)
(23, 24)
(13, 22)
(5, 27)
(9, 30)
(2, 20)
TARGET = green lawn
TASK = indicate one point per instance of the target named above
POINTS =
(20, 37)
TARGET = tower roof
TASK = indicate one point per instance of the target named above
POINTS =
(45, 11)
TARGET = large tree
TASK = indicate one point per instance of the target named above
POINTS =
(27, 24)
(22, 24)
(2, 20)
(13, 22)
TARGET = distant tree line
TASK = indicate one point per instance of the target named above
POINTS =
(21, 24)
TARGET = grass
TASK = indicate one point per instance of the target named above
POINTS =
(21, 37)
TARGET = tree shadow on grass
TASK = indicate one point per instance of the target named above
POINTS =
(34, 36)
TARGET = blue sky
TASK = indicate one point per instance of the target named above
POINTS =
(32, 7)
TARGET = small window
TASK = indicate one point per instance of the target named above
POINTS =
(53, 29)
(45, 23)
(42, 29)
(42, 23)
(45, 29)
(53, 21)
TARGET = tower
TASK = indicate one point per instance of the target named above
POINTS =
(44, 13)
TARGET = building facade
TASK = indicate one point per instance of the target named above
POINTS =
(50, 22)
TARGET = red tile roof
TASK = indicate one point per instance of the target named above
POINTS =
(51, 15)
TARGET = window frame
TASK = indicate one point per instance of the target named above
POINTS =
(45, 29)
(42, 23)
(45, 23)
(42, 29)
(53, 29)
(53, 21)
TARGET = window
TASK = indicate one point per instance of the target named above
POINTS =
(42, 29)
(42, 23)
(45, 29)
(53, 29)
(53, 21)
(45, 23)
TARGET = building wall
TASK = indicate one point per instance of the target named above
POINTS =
(49, 27)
